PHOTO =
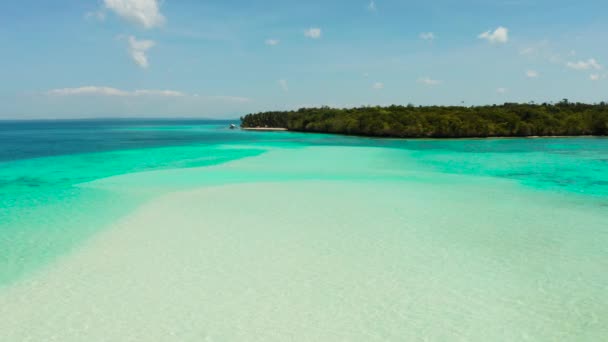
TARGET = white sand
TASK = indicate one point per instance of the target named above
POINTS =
(264, 129)
(319, 261)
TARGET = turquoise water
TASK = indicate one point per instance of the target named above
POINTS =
(507, 224)
(44, 211)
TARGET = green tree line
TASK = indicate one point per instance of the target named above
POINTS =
(507, 120)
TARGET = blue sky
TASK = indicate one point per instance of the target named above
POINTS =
(203, 58)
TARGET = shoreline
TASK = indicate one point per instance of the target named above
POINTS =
(279, 129)
(267, 129)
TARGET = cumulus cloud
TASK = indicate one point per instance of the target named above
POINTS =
(372, 6)
(594, 77)
(109, 91)
(584, 65)
(427, 36)
(272, 42)
(145, 13)
(429, 81)
(378, 85)
(138, 49)
(313, 32)
(502, 90)
(283, 84)
(500, 35)
(532, 74)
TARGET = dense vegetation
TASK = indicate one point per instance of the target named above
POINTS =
(507, 120)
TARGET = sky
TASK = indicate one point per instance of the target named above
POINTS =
(226, 58)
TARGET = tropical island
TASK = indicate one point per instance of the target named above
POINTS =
(507, 120)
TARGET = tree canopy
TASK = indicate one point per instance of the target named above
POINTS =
(506, 120)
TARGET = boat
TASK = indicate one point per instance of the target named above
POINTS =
(232, 126)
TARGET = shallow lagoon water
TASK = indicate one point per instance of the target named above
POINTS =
(286, 236)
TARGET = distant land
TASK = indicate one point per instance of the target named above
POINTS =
(507, 120)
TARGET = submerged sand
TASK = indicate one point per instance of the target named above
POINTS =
(317, 261)
(325, 244)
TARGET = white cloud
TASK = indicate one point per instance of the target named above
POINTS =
(272, 42)
(89, 90)
(143, 94)
(138, 49)
(145, 13)
(283, 84)
(429, 81)
(594, 77)
(313, 32)
(502, 90)
(532, 74)
(427, 36)
(372, 6)
(500, 35)
(555, 58)
(527, 51)
(544, 50)
(378, 85)
(98, 15)
(584, 65)
(162, 93)
(109, 91)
